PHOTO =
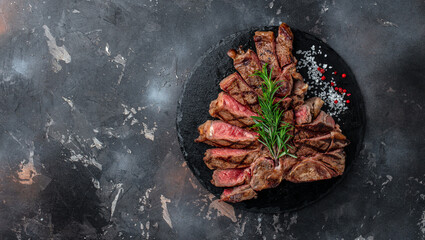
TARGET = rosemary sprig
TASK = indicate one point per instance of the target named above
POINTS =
(274, 133)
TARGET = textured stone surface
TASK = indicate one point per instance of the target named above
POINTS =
(88, 96)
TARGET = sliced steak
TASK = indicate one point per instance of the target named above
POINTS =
(266, 51)
(247, 63)
(236, 87)
(308, 111)
(231, 111)
(285, 103)
(221, 134)
(285, 82)
(325, 143)
(308, 171)
(238, 194)
(315, 104)
(225, 158)
(322, 123)
(265, 174)
(298, 93)
(335, 160)
(287, 164)
(284, 45)
(303, 115)
(288, 116)
(230, 177)
(303, 133)
(318, 167)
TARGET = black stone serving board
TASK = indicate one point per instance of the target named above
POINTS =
(202, 86)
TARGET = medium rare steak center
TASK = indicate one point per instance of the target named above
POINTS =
(242, 163)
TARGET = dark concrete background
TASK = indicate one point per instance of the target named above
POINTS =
(88, 96)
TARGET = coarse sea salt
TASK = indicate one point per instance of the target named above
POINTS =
(334, 100)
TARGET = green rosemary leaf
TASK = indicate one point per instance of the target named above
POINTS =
(274, 133)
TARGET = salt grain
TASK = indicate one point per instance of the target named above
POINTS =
(317, 87)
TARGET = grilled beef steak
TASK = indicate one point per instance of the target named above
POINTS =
(303, 133)
(288, 163)
(241, 162)
(303, 115)
(265, 174)
(231, 111)
(315, 104)
(322, 123)
(334, 160)
(298, 93)
(236, 87)
(288, 116)
(221, 134)
(286, 83)
(324, 143)
(266, 51)
(284, 46)
(284, 103)
(308, 171)
(238, 194)
(224, 158)
(247, 63)
(230, 177)
(318, 167)
(308, 111)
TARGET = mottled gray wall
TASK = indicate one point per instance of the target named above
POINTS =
(88, 96)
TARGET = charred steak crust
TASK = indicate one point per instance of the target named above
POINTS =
(247, 63)
(266, 51)
(236, 87)
(284, 45)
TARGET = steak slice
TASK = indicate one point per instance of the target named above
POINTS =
(284, 45)
(231, 111)
(322, 123)
(265, 174)
(285, 102)
(299, 87)
(318, 167)
(325, 143)
(224, 158)
(230, 177)
(247, 63)
(303, 133)
(285, 82)
(303, 115)
(221, 134)
(266, 51)
(236, 87)
(335, 160)
(287, 163)
(309, 110)
(288, 116)
(309, 170)
(238, 194)
(315, 104)
(298, 92)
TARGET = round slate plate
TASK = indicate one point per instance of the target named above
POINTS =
(202, 87)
